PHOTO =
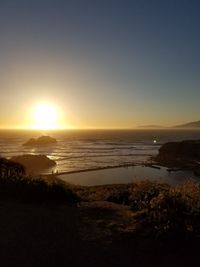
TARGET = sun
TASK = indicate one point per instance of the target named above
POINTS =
(45, 116)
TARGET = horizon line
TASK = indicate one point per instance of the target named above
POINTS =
(100, 129)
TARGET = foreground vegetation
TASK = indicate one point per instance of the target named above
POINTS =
(35, 190)
(158, 208)
(16, 185)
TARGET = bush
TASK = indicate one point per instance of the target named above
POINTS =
(142, 193)
(15, 185)
(174, 211)
(35, 190)
(159, 208)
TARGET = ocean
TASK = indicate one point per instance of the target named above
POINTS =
(92, 149)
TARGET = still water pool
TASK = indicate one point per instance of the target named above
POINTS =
(128, 175)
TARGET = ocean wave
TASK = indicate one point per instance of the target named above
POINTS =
(100, 156)
(81, 149)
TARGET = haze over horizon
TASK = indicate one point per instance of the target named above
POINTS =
(99, 64)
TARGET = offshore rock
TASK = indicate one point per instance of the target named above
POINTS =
(43, 140)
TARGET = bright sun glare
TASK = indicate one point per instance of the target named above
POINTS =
(45, 116)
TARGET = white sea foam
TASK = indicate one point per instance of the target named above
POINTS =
(78, 150)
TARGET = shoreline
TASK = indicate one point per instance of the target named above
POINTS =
(147, 165)
(125, 175)
(92, 169)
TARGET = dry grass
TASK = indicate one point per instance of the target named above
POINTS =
(158, 207)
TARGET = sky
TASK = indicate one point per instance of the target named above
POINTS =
(100, 63)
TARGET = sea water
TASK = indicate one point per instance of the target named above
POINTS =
(92, 149)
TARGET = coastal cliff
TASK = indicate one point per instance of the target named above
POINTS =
(34, 163)
(184, 154)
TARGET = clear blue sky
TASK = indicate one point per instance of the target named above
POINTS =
(106, 63)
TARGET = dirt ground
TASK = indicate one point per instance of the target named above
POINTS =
(90, 234)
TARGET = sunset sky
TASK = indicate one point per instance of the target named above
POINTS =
(100, 63)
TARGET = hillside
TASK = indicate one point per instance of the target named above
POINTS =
(194, 124)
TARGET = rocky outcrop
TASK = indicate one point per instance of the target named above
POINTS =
(43, 140)
(34, 163)
(184, 153)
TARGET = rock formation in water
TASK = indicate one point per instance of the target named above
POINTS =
(43, 140)
(34, 163)
(180, 154)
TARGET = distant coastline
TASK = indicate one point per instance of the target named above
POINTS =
(189, 125)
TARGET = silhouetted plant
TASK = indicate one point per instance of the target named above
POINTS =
(11, 169)
(14, 184)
